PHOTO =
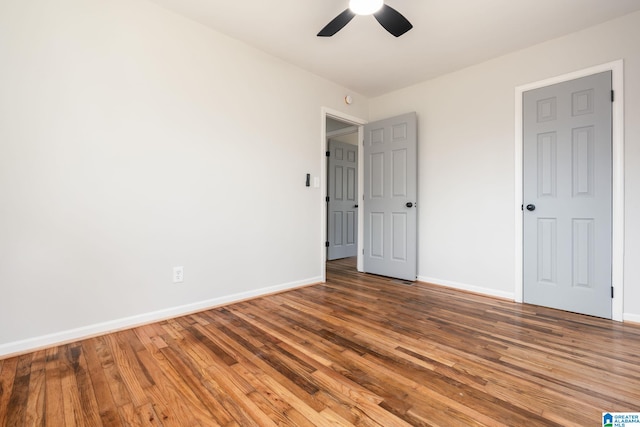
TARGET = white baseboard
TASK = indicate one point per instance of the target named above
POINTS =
(63, 337)
(628, 317)
(469, 288)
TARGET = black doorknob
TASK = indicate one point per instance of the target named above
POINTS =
(356, 206)
(409, 204)
(531, 208)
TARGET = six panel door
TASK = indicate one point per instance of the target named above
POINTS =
(568, 195)
(390, 197)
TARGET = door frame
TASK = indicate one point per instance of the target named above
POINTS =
(325, 113)
(617, 140)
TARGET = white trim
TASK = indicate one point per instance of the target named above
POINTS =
(343, 131)
(58, 338)
(356, 121)
(468, 288)
(617, 69)
(632, 318)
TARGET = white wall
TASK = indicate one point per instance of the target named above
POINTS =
(133, 140)
(466, 157)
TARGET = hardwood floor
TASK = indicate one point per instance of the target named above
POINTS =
(359, 350)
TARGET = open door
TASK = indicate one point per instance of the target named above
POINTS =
(390, 197)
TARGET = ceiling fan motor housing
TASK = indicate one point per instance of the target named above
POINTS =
(365, 7)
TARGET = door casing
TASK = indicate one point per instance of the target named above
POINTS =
(617, 69)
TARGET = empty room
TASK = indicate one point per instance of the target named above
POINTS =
(313, 213)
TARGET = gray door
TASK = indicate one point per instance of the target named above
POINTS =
(567, 195)
(390, 196)
(343, 200)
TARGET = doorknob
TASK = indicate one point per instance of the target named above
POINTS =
(531, 208)
(409, 205)
(355, 207)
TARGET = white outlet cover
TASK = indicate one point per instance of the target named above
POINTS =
(178, 274)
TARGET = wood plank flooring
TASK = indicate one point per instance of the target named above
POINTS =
(359, 350)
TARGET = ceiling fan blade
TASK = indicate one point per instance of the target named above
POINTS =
(393, 21)
(337, 23)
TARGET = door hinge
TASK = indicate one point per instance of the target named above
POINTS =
(328, 153)
(522, 207)
(327, 199)
(613, 97)
(612, 292)
(326, 244)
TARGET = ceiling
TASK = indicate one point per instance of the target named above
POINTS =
(448, 34)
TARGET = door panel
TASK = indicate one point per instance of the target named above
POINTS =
(390, 187)
(343, 190)
(567, 178)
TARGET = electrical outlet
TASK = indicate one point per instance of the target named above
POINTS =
(178, 274)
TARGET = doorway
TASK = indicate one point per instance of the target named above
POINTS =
(333, 124)
(387, 198)
(342, 190)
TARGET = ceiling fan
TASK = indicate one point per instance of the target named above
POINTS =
(388, 17)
